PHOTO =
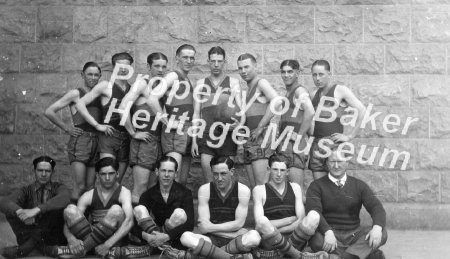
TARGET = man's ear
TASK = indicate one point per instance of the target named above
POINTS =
(156, 171)
(232, 170)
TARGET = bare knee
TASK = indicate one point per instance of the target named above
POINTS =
(178, 217)
(251, 239)
(264, 227)
(115, 215)
(311, 220)
(140, 212)
(71, 213)
(190, 240)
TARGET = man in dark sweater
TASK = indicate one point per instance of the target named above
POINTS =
(334, 203)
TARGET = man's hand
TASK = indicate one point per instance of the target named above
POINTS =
(156, 239)
(26, 214)
(254, 135)
(102, 249)
(145, 136)
(374, 236)
(204, 225)
(107, 129)
(194, 149)
(74, 131)
(329, 242)
(339, 138)
(76, 246)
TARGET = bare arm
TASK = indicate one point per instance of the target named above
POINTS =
(270, 93)
(344, 93)
(195, 117)
(306, 105)
(127, 224)
(259, 194)
(70, 97)
(236, 92)
(97, 91)
(158, 92)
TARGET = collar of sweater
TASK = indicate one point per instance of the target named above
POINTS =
(334, 179)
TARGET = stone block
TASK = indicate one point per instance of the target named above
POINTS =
(363, 59)
(382, 183)
(283, 24)
(41, 58)
(49, 88)
(90, 24)
(223, 2)
(55, 24)
(17, 24)
(76, 55)
(7, 117)
(144, 50)
(56, 147)
(430, 24)
(386, 24)
(419, 59)
(31, 120)
(274, 55)
(445, 187)
(338, 24)
(430, 91)
(433, 154)
(307, 54)
(47, 2)
(300, 2)
(418, 186)
(429, 2)
(417, 216)
(9, 58)
(371, 2)
(439, 121)
(21, 149)
(121, 28)
(117, 2)
(18, 88)
(158, 2)
(225, 24)
(11, 177)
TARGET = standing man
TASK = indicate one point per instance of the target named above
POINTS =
(110, 215)
(83, 143)
(145, 147)
(278, 210)
(115, 142)
(259, 95)
(299, 116)
(219, 91)
(171, 206)
(35, 212)
(333, 204)
(333, 130)
(176, 92)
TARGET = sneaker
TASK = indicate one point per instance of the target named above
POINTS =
(114, 253)
(64, 252)
(318, 255)
(136, 251)
(9, 251)
(242, 256)
(171, 252)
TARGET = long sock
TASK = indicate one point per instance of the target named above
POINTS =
(147, 225)
(236, 246)
(276, 240)
(209, 250)
(300, 236)
(100, 233)
(81, 229)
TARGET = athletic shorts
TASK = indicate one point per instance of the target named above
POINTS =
(83, 148)
(228, 148)
(145, 154)
(173, 142)
(118, 145)
(253, 150)
(316, 163)
(222, 239)
(297, 160)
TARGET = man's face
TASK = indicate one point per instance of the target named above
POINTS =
(91, 76)
(216, 63)
(289, 75)
(166, 174)
(158, 68)
(107, 176)
(43, 172)
(278, 172)
(337, 166)
(320, 76)
(123, 71)
(222, 176)
(247, 69)
(186, 59)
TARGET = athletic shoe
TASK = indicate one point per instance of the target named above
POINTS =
(242, 256)
(171, 252)
(64, 252)
(136, 251)
(318, 255)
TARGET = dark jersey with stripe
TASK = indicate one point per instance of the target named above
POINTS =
(256, 111)
(179, 106)
(118, 94)
(209, 109)
(144, 109)
(223, 209)
(94, 109)
(279, 206)
(99, 207)
(294, 116)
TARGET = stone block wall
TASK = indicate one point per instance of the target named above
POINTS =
(393, 54)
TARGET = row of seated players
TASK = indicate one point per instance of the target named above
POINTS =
(105, 223)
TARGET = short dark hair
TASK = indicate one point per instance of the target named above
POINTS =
(91, 64)
(276, 158)
(48, 159)
(247, 56)
(156, 56)
(184, 46)
(322, 62)
(222, 159)
(216, 50)
(290, 62)
(121, 56)
(106, 161)
(167, 159)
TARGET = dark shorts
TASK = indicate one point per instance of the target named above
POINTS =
(253, 150)
(173, 142)
(117, 145)
(228, 148)
(145, 154)
(293, 159)
(83, 148)
(316, 163)
(218, 241)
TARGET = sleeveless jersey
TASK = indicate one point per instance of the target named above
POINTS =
(117, 93)
(148, 128)
(223, 209)
(279, 206)
(325, 129)
(209, 110)
(287, 119)
(94, 109)
(256, 111)
(184, 105)
(97, 209)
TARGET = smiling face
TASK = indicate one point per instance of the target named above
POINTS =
(222, 176)
(289, 75)
(166, 174)
(247, 69)
(158, 68)
(278, 172)
(337, 166)
(321, 76)
(91, 76)
(43, 172)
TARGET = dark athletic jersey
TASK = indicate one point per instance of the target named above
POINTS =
(184, 105)
(98, 208)
(223, 209)
(209, 110)
(256, 111)
(325, 129)
(287, 119)
(94, 109)
(279, 206)
(117, 93)
(148, 128)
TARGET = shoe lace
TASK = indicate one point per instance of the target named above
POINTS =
(139, 250)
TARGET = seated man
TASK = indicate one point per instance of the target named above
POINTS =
(171, 205)
(110, 215)
(334, 203)
(278, 210)
(35, 211)
(222, 210)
